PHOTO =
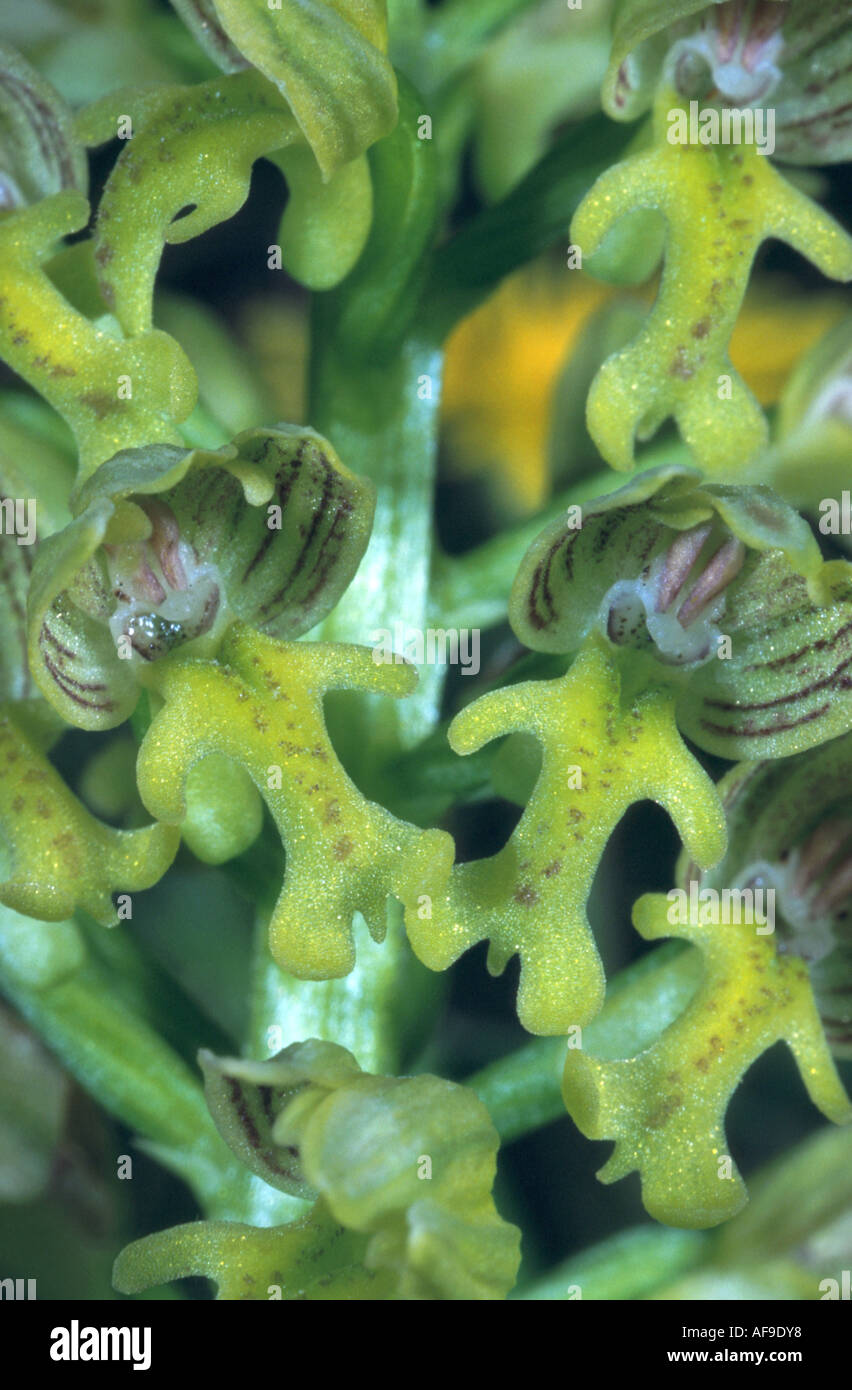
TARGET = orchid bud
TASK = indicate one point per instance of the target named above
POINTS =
(402, 1169)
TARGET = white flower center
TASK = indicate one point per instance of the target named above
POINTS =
(676, 602)
(164, 597)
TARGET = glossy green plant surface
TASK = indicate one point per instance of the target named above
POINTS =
(196, 597)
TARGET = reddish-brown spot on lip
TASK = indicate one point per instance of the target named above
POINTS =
(526, 895)
(666, 1108)
(679, 366)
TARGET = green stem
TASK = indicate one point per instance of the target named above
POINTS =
(524, 1090)
(359, 1012)
(630, 1265)
(382, 419)
(125, 1065)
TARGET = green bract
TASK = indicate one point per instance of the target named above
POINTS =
(173, 545)
(326, 57)
(405, 1163)
(723, 586)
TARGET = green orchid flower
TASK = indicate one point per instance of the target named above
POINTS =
(401, 1170)
(172, 545)
(772, 921)
(81, 365)
(329, 64)
(83, 368)
(665, 1107)
(328, 60)
(723, 588)
(230, 121)
(791, 835)
(118, 381)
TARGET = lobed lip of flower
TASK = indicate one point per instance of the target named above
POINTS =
(742, 52)
(790, 829)
(170, 546)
